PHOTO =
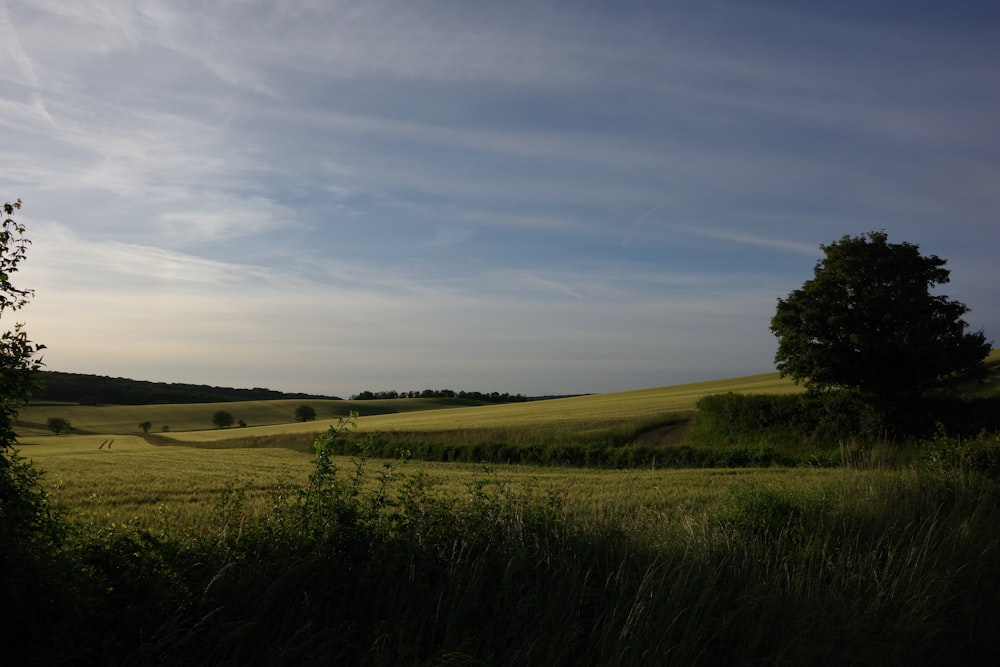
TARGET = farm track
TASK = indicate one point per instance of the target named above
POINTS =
(669, 435)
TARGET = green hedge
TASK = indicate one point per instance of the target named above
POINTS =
(785, 419)
(591, 455)
(831, 418)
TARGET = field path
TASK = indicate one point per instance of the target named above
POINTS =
(670, 434)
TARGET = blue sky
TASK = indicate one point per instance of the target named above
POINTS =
(534, 197)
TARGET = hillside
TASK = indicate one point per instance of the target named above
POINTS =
(581, 414)
(177, 417)
(586, 417)
(58, 387)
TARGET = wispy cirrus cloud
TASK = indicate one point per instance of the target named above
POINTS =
(421, 190)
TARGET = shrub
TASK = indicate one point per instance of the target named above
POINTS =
(945, 454)
(821, 420)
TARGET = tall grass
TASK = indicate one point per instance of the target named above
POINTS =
(366, 564)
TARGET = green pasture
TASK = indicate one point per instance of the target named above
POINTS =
(125, 419)
(242, 549)
(192, 422)
(133, 477)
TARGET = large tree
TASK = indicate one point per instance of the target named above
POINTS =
(868, 320)
(18, 355)
(27, 521)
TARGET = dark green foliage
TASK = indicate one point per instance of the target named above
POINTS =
(57, 425)
(18, 356)
(25, 517)
(945, 453)
(33, 586)
(431, 447)
(223, 418)
(305, 413)
(94, 389)
(472, 397)
(867, 320)
(830, 419)
(821, 420)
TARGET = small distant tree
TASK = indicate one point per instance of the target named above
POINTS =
(222, 419)
(242, 424)
(57, 425)
(305, 413)
(145, 426)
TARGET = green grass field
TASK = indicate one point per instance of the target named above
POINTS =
(125, 419)
(232, 550)
(147, 484)
(200, 555)
(193, 422)
(134, 478)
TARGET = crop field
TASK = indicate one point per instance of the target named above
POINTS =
(173, 418)
(192, 422)
(133, 479)
(148, 484)
(184, 474)
(231, 546)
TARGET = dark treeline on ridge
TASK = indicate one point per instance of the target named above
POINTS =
(94, 389)
(493, 397)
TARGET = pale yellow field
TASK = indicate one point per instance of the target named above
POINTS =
(134, 479)
(579, 412)
(182, 485)
(192, 422)
(125, 419)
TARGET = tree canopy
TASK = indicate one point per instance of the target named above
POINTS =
(868, 320)
(57, 425)
(305, 413)
(18, 355)
(29, 525)
(222, 418)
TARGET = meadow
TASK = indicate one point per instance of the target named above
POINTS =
(242, 546)
(193, 422)
(149, 486)
(182, 476)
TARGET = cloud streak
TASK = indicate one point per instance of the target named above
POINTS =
(523, 197)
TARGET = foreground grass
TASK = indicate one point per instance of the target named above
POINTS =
(366, 565)
(151, 486)
(186, 555)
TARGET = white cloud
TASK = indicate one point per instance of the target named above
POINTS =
(116, 308)
(404, 190)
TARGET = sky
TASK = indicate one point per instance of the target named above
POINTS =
(544, 197)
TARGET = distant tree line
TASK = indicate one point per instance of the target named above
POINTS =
(494, 397)
(94, 389)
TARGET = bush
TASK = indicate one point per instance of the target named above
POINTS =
(822, 420)
(945, 454)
